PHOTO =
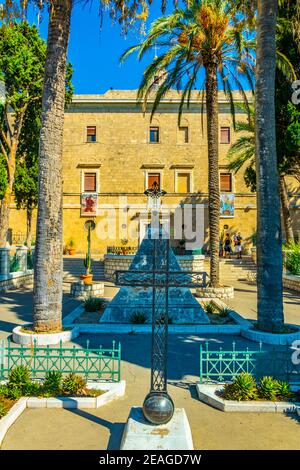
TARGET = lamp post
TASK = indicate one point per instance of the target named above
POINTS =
(158, 407)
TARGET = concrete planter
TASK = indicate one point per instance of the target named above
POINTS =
(207, 394)
(81, 290)
(112, 392)
(225, 292)
(43, 339)
(271, 338)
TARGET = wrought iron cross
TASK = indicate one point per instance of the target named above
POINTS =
(160, 278)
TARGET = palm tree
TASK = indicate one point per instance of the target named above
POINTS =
(269, 243)
(201, 37)
(242, 152)
(47, 295)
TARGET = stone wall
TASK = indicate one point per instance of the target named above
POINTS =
(16, 281)
(113, 263)
(291, 282)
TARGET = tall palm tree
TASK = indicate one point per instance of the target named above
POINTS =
(242, 152)
(47, 295)
(200, 37)
(269, 243)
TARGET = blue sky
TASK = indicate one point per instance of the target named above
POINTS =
(94, 52)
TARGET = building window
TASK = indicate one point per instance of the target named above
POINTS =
(90, 182)
(153, 178)
(183, 182)
(226, 182)
(154, 135)
(225, 135)
(183, 135)
(91, 134)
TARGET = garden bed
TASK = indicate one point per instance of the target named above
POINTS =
(55, 391)
(245, 393)
(209, 394)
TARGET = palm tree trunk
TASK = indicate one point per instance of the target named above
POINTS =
(28, 227)
(269, 243)
(286, 215)
(47, 294)
(213, 171)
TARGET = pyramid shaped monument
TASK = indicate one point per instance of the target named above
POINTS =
(130, 300)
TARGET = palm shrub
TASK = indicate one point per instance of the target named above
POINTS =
(292, 260)
(267, 388)
(93, 304)
(19, 378)
(243, 387)
(138, 318)
(283, 390)
(210, 308)
(199, 39)
(52, 383)
(73, 384)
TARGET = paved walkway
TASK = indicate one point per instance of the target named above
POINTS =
(101, 429)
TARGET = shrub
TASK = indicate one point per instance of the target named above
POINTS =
(267, 388)
(93, 304)
(210, 308)
(283, 390)
(3, 391)
(292, 262)
(224, 312)
(33, 389)
(242, 388)
(52, 383)
(138, 318)
(73, 384)
(3, 410)
(19, 378)
(14, 393)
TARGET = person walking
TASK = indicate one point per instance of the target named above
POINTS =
(227, 246)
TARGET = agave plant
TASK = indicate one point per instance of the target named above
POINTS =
(19, 377)
(268, 388)
(242, 388)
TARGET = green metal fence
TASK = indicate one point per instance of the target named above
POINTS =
(92, 363)
(220, 365)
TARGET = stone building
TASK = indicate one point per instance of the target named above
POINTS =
(113, 152)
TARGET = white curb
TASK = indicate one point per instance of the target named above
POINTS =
(43, 339)
(206, 394)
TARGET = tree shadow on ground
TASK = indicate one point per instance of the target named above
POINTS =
(115, 429)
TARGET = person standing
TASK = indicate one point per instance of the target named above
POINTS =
(227, 246)
(238, 247)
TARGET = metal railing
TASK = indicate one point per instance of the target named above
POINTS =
(92, 363)
(223, 365)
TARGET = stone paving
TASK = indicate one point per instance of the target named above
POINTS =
(102, 428)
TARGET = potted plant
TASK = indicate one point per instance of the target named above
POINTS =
(87, 278)
(71, 247)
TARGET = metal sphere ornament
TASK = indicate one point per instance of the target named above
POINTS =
(158, 407)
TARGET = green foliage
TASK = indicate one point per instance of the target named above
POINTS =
(88, 263)
(32, 389)
(73, 384)
(138, 318)
(283, 390)
(224, 312)
(195, 38)
(19, 377)
(242, 388)
(52, 383)
(210, 308)
(3, 177)
(267, 388)
(292, 262)
(93, 304)
(3, 410)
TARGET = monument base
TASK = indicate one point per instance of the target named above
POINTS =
(139, 434)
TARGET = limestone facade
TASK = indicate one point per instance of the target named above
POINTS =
(107, 143)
